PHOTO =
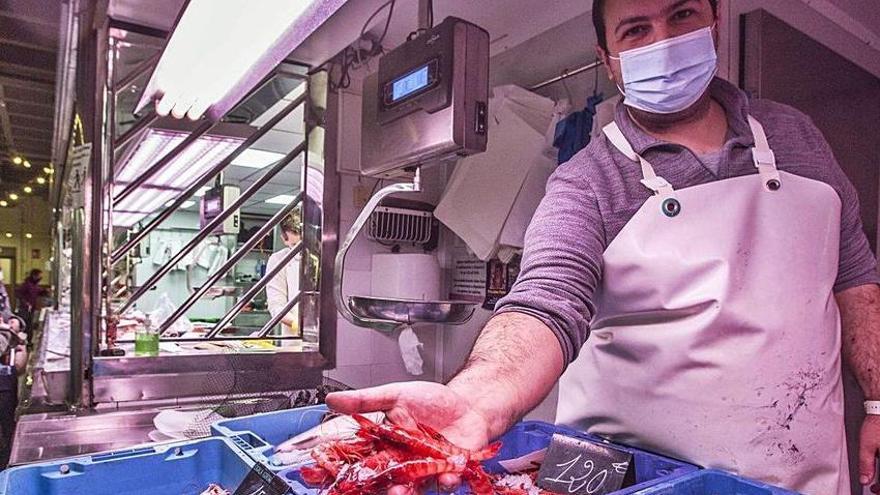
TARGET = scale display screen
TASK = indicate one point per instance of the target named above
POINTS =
(411, 83)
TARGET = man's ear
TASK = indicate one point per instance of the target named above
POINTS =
(602, 55)
(718, 19)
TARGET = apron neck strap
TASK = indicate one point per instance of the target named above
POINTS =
(650, 179)
(765, 160)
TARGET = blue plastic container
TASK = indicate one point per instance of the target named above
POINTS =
(259, 434)
(710, 482)
(183, 468)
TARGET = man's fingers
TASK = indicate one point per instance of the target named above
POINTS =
(361, 401)
(868, 445)
(448, 482)
(401, 490)
(401, 417)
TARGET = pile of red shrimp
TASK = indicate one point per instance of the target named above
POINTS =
(383, 455)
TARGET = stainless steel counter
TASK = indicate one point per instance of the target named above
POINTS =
(57, 435)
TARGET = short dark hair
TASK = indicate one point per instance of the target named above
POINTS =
(599, 20)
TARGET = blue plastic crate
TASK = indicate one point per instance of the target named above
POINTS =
(259, 434)
(714, 482)
(182, 468)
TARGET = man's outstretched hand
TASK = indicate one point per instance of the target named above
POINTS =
(432, 404)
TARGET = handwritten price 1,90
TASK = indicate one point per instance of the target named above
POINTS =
(592, 483)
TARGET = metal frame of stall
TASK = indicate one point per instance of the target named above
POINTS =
(174, 379)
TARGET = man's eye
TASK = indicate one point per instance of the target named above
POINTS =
(683, 14)
(635, 31)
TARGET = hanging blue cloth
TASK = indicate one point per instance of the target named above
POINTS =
(573, 132)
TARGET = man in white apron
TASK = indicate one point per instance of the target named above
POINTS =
(710, 246)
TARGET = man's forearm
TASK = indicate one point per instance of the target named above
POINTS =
(860, 320)
(512, 367)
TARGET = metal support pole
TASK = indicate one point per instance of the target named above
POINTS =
(88, 233)
(424, 14)
(595, 65)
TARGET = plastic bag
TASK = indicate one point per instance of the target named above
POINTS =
(163, 310)
(409, 349)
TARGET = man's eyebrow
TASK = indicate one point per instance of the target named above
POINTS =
(643, 18)
(678, 4)
(631, 20)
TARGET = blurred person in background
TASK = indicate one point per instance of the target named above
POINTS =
(29, 294)
(285, 284)
(13, 359)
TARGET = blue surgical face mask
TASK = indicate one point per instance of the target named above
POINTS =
(671, 75)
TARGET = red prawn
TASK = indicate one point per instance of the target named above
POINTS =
(361, 480)
(427, 442)
(384, 455)
(315, 475)
(479, 481)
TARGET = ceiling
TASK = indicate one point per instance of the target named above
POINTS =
(29, 32)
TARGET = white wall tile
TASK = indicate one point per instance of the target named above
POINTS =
(385, 348)
(357, 281)
(396, 372)
(353, 345)
(353, 376)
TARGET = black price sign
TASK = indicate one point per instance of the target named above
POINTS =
(261, 481)
(574, 466)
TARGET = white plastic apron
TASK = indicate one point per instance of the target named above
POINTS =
(717, 335)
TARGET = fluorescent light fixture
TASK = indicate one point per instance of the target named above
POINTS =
(147, 201)
(175, 178)
(143, 204)
(13, 196)
(126, 219)
(251, 158)
(26, 164)
(192, 77)
(41, 180)
(281, 199)
(17, 160)
(220, 49)
(9, 235)
(185, 204)
(29, 235)
(28, 189)
(188, 166)
(4, 203)
(48, 170)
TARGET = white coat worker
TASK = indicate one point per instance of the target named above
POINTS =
(285, 285)
(710, 247)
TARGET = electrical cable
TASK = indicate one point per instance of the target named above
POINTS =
(353, 57)
(387, 23)
(387, 20)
